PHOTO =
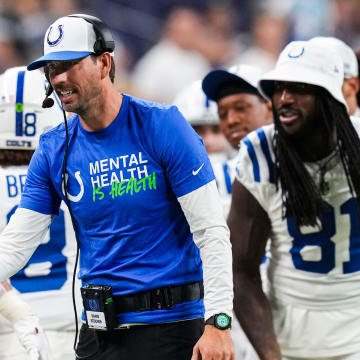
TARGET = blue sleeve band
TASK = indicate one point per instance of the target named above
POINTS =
(265, 148)
(227, 178)
(254, 160)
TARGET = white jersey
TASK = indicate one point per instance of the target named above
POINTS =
(225, 175)
(313, 269)
(45, 281)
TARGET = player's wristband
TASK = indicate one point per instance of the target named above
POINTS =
(12, 307)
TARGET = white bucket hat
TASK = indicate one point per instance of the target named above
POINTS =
(305, 62)
(346, 53)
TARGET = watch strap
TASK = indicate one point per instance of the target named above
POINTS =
(221, 321)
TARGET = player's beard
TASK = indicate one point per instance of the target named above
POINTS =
(313, 124)
(85, 101)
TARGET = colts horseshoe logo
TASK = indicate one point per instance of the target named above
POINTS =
(61, 35)
(296, 53)
(78, 197)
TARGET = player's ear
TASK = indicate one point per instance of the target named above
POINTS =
(105, 63)
(355, 83)
(269, 105)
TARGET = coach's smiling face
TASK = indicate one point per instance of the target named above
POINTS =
(78, 82)
(294, 105)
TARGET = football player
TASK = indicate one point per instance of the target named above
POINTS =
(297, 182)
(45, 281)
(241, 109)
(201, 113)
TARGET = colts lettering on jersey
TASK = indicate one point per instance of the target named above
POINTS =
(19, 143)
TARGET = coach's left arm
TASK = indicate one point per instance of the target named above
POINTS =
(203, 211)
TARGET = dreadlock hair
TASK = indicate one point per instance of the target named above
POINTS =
(301, 197)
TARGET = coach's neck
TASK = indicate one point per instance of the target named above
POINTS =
(103, 109)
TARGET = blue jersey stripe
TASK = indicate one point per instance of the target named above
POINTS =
(254, 160)
(263, 261)
(207, 103)
(19, 107)
(265, 148)
(227, 178)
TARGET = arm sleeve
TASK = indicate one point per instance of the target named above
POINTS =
(39, 194)
(183, 154)
(20, 238)
(203, 212)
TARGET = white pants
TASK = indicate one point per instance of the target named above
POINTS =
(243, 348)
(309, 334)
(61, 344)
(343, 357)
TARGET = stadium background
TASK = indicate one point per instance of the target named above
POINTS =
(163, 45)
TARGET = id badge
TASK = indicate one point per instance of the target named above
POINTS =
(99, 307)
(95, 318)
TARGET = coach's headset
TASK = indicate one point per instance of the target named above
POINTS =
(104, 43)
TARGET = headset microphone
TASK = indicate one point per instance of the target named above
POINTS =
(48, 102)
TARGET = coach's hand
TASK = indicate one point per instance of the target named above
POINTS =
(214, 344)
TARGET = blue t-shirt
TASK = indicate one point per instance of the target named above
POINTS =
(123, 185)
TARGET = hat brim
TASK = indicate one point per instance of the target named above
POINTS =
(214, 79)
(301, 74)
(58, 56)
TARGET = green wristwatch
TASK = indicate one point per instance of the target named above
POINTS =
(220, 321)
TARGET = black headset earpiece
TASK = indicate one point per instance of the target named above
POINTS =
(48, 101)
(104, 39)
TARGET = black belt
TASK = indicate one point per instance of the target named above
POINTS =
(161, 298)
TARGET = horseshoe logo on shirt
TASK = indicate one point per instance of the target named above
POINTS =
(78, 197)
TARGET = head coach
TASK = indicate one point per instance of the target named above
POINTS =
(154, 246)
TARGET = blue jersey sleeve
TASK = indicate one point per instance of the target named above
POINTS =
(183, 154)
(39, 194)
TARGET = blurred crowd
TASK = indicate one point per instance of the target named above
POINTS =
(163, 45)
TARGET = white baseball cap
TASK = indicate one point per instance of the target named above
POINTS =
(346, 53)
(305, 62)
(246, 76)
(196, 107)
(69, 38)
(22, 118)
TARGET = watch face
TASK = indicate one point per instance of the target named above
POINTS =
(222, 321)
